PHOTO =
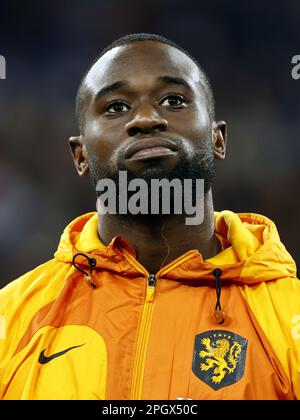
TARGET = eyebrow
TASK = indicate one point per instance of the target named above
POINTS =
(123, 83)
(174, 81)
(110, 88)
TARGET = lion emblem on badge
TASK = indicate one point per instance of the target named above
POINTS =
(219, 357)
(216, 357)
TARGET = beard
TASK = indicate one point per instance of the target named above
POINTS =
(199, 164)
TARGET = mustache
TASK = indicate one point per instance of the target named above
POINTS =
(192, 164)
(119, 153)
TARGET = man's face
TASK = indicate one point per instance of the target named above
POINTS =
(146, 112)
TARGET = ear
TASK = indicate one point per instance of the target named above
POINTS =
(219, 139)
(79, 155)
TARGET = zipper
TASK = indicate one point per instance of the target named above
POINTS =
(142, 341)
(146, 321)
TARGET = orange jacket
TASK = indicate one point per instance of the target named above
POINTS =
(134, 335)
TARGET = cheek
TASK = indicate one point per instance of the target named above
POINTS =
(195, 126)
(201, 119)
(201, 129)
(100, 140)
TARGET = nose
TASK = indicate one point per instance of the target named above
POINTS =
(146, 120)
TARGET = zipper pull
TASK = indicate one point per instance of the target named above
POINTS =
(150, 288)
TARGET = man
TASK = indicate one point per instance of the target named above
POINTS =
(147, 306)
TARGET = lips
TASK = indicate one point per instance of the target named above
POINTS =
(150, 147)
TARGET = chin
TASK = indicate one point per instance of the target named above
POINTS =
(154, 168)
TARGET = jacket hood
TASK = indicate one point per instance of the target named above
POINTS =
(251, 250)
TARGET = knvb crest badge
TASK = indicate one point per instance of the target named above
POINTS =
(219, 358)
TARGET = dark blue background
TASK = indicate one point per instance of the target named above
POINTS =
(246, 48)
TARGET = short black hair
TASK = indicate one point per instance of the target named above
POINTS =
(124, 40)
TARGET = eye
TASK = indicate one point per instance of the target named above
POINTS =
(116, 107)
(174, 101)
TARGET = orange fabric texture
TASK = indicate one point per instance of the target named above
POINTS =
(135, 338)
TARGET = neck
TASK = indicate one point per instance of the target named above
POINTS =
(159, 240)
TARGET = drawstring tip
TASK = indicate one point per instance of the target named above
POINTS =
(92, 263)
(219, 316)
(90, 281)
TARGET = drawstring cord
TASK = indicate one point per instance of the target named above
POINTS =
(92, 263)
(219, 314)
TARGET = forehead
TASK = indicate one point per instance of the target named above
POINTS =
(141, 60)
